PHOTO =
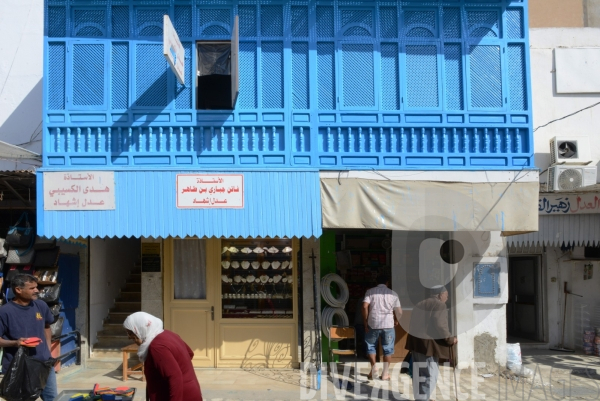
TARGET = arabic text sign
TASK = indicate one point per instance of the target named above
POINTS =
(210, 191)
(569, 204)
(79, 190)
(173, 50)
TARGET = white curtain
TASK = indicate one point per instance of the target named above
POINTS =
(190, 268)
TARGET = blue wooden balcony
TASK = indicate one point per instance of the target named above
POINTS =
(404, 85)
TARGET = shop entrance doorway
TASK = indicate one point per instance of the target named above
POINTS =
(524, 311)
(189, 299)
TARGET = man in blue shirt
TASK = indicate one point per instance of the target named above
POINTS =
(24, 317)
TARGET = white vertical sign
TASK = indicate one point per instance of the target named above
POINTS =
(173, 50)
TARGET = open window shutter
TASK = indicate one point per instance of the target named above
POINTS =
(235, 62)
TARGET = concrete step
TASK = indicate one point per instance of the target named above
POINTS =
(134, 278)
(112, 329)
(116, 317)
(121, 306)
(132, 287)
(130, 297)
(112, 343)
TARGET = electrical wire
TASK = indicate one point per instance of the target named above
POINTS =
(342, 299)
(327, 319)
(567, 116)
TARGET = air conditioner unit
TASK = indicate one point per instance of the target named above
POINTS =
(566, 178)
(570, 150)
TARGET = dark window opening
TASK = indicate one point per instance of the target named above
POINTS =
(218, 73)
(214, 76)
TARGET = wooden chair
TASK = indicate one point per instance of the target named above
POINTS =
(338, 333)
(137, 369)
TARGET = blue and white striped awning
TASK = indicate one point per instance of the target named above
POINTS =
(574, 230)
(277, 204)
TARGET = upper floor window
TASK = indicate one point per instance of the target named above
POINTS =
(218, 73)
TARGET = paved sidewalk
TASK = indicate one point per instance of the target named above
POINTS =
(558, 377)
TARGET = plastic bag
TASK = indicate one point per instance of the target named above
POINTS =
(214, 59)
(56, 327)
(26, 377)
(513, 356)
(513, 361)
(50, 294)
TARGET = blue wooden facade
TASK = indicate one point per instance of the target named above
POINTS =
(324, 85)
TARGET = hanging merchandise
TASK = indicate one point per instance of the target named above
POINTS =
(3, 252)
(20, 236)
(342, 299)
(327, 319)
(16, 257)
(50, 294)
(57, 326)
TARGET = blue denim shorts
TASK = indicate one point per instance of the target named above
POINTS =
(387, 336)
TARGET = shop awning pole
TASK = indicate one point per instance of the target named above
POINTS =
(317, 321)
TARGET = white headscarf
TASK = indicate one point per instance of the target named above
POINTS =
(146, 327)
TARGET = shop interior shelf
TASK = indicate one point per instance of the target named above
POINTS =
(46, 282)
(365, 250)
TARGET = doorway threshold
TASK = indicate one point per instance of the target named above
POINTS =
(526, 342)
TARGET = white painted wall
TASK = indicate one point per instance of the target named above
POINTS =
(473, 316)
(21, 47)
(111, 261)
(476, 316)
(549, 105)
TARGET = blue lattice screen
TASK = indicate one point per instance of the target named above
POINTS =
(88, 74)
(322, 82)
(358, 72)
(486, 76)
(120, 75)
(151, 72)
(300, 77)
(56, 75)
(326, 75)
(248, 98)
(422, 76)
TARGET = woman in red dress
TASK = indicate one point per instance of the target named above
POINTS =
(167, 360)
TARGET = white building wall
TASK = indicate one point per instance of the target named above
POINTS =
(481, 322)
(548, 105)
(21, 46)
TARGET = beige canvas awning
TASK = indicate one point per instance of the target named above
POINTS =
(429, 206)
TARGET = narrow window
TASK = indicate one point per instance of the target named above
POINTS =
(218, 73)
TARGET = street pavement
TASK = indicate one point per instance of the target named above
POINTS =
(555, 376)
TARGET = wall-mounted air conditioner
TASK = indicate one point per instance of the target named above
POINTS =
(570, 150)
(566, 178)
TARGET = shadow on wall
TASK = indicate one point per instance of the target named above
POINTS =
(23, 126)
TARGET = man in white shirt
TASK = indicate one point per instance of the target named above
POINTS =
(379, 306)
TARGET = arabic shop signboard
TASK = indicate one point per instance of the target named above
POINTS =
(173, 50)
(225, 191)
(569, 204)
(79, 190)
